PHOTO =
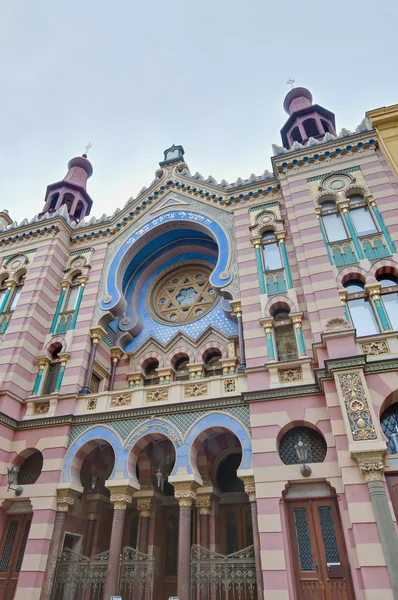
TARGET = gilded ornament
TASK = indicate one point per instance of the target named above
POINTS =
(357, 407)
(195, 390)
(144, 506)
(375, 348)
(158, 395)
(120, 400)
(203, 503)
(42, 408)
(229, 386)
(121, 496)
(290, 375)
(65, 499)
(185, 492)
(372, 464)
(91, 404)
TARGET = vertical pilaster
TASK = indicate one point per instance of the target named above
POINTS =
(93, 515)
(64, 287)
(116, 355)
(185, 492)
(64, 359)
(257, 243)
(268, 325)
(43, 361)
(281, 236)
(381, 225)
(65, 498)
(373, 292)
(296, 319)
(144, 507)
(120, 497)
(250, 489)
(96, 335)
(83, 280)
(10, 288)
(236, 306)
(203, 504)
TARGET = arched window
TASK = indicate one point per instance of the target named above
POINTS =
(389, 295)
(325, 126)
(53, 370)
(285, 338)
(53, 202)
(68, 201)
(17, 293)
(332, 221)
(227, 478)
(181, 368)
(213, 365)
(360, 309)
(316, 446)
(360, 215)
(311, 128)
(296, 135)
(73, 292)
(78, 211)
(271, 252)
(389, 425)
(151, 373)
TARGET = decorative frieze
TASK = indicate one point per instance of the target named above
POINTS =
(375, 348)
(158, 395)
(42, 408)
(120, 400)
(194, 390)
(357, 407)
(290, 375)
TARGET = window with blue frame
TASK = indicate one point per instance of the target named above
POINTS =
(389, 297)
(271, 252)
(333, 222)
(361, 216)
(360, 309)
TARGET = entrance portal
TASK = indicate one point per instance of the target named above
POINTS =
(12, 548)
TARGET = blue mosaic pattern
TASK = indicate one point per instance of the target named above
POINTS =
(344, 256)
(276, 285)
(375, 251)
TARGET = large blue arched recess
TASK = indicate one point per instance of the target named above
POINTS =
(214, 420)
(97, 433)
(219, 277)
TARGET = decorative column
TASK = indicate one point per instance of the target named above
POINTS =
(64, 288)
(116, 355)
(236, 306)
(344, 206)
(380, 223)
(144, 507)
(296, 319)
(196, 371)
(343, 298)
(268, 325)
(373, 292)
(250, 489)
(185, 492)
(64, 357)
(281, 236)
(43, 361)
(10, 288)
(65, 498)
(203, 503)
(165, 375)
(135, 379)
(96, 335)
(83, 280)
(318, 211)
(257, 243)
(120, 497)
(93, 515)
(372, 466)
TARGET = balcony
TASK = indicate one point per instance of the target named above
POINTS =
(167, 393)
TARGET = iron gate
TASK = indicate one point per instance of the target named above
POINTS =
(80, 578)
(137, 571)
(218, 577)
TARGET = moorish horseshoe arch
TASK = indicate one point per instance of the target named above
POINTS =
(73, 462)
(114, 302)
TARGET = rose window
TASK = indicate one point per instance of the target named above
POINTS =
(182, 295)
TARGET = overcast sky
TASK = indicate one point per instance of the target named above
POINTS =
(135, 77)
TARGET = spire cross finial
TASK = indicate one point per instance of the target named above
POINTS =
(290, 81)
(87, 148)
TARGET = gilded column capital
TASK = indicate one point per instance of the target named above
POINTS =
(268, 324)
(318, 210)
(10, 284)
(43, 361)
(371, 464)
(250, 487)
(280, 235)
(185, 492)
(236, 306)
(343, 205)
(64, 357)
(116, 354)
(373, 290)
(256, 241)
(121, 496)
(64, 284)
(370, 201)
(65, 498)
(203, 503)
(343, 296)
(144, 506)
(93, 509)
(96, 334)
(296, 319)
(83, 280)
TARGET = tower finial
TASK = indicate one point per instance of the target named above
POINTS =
(290, 81)
(87, 148)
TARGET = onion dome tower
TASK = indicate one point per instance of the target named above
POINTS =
(71, 191)
(305, 120)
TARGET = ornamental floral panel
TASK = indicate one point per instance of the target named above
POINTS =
(357, 407)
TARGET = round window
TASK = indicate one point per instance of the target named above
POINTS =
(183, 294)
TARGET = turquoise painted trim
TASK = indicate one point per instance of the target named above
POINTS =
(300, 341)
(38, 382)
(77, 307)
(270, 346)
(259, 261)
(60, 378)
(5, 300)
(325, 240)
(384, 229)
(353, 235)
(346, 313)
(382, 315)
(58, 310)
(289, 281)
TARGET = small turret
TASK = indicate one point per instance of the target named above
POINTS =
(71, 191)
(306, 120)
